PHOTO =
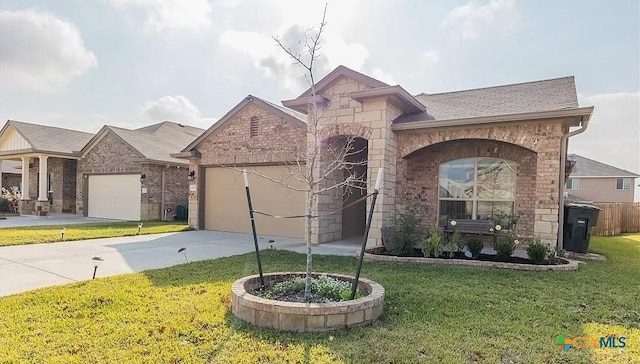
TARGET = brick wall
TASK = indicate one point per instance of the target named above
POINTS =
(420, 170)
(175, 190)
(11, 179)
(542, 137)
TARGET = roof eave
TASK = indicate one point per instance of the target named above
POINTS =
(580, 113)
(301, 104)
(397, 96)
(190, 154)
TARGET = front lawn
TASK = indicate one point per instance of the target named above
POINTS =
(48, 234)
(439, 314)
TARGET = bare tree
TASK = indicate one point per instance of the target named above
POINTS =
(325, 165)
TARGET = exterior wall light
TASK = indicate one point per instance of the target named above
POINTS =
(143, 177)
(192, 176)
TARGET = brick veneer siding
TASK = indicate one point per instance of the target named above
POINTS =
(541, 136)
(278, 140)
(111, 155)
(11, 179)
(420, 170)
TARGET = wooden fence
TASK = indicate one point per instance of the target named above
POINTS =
(617, 218)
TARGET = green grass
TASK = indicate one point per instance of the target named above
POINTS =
(439, 314)
(48, 234)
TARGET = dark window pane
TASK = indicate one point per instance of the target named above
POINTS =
(488, 209)
(454, 210)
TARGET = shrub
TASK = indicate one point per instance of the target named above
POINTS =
(5, 205)
(505, 246)
(403, 234)
(432, 245)
(288, 286)
(331, 288)
(453, 243)
(537, 251)
(475, 245)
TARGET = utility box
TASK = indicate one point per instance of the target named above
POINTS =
(182, 213)
(579, 220)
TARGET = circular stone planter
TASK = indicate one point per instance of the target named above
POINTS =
(371, 256)
(305, 317)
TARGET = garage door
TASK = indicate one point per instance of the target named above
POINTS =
(114, 196)
(226, 202)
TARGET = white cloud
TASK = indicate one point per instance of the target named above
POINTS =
(39, 51)
(175, 108)
(383, 76)
(275, 64)
(170, 14)
(613, 134)
(469, 20)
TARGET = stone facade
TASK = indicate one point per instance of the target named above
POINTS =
(111, 155)
(276, 141)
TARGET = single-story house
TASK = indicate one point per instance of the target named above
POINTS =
(466, 155)
(48, 159)
(116, 173)
(593, 181)
(129, 174)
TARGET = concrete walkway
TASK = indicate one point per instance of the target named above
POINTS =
(27, 267)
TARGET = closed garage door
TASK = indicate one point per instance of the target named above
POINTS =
(115, 196)
(226, 202)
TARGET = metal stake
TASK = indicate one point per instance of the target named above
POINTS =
(354, 287)
(253, 226)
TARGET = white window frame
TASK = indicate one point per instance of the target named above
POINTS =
(474, 198)
(626, 186)
(574, 185)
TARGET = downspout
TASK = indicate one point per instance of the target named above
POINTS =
(564, 141)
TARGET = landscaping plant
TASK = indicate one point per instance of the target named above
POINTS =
(431, 246)
(403, 234)
(554, 255)
(505, 246)
(452, 244)
(537, 251)
(475, 245)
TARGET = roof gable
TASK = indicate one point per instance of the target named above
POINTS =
(11, 139)
(287, 114)
(586, 167)
(336, 74)
(43, 138)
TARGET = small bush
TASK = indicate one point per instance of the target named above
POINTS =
(431, 246)
(475, 245)
(403, 234)
(288, 286)
(554, 256)
(505, 246)
(5, 205)
(453, 244)
(537, 251)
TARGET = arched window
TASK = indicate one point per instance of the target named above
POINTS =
(476, 188)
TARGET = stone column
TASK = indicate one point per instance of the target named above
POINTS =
(42, 205)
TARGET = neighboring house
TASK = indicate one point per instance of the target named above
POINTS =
(116, 173)
(10, 174)
(48, 159)
(464, 155)
(592, 181)
(129, 174)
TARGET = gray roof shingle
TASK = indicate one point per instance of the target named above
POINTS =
(586, 167)
(51, 138)
(158, 141)
(546, 95)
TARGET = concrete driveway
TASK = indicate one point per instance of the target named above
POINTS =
(27, 267)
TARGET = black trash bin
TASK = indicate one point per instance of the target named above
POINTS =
(579, 219)
(182, 212)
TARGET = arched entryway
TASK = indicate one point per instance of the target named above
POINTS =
(354, 213)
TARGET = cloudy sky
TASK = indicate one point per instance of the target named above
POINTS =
(82, 64)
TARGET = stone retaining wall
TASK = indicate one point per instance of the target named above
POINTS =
(305, 317)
